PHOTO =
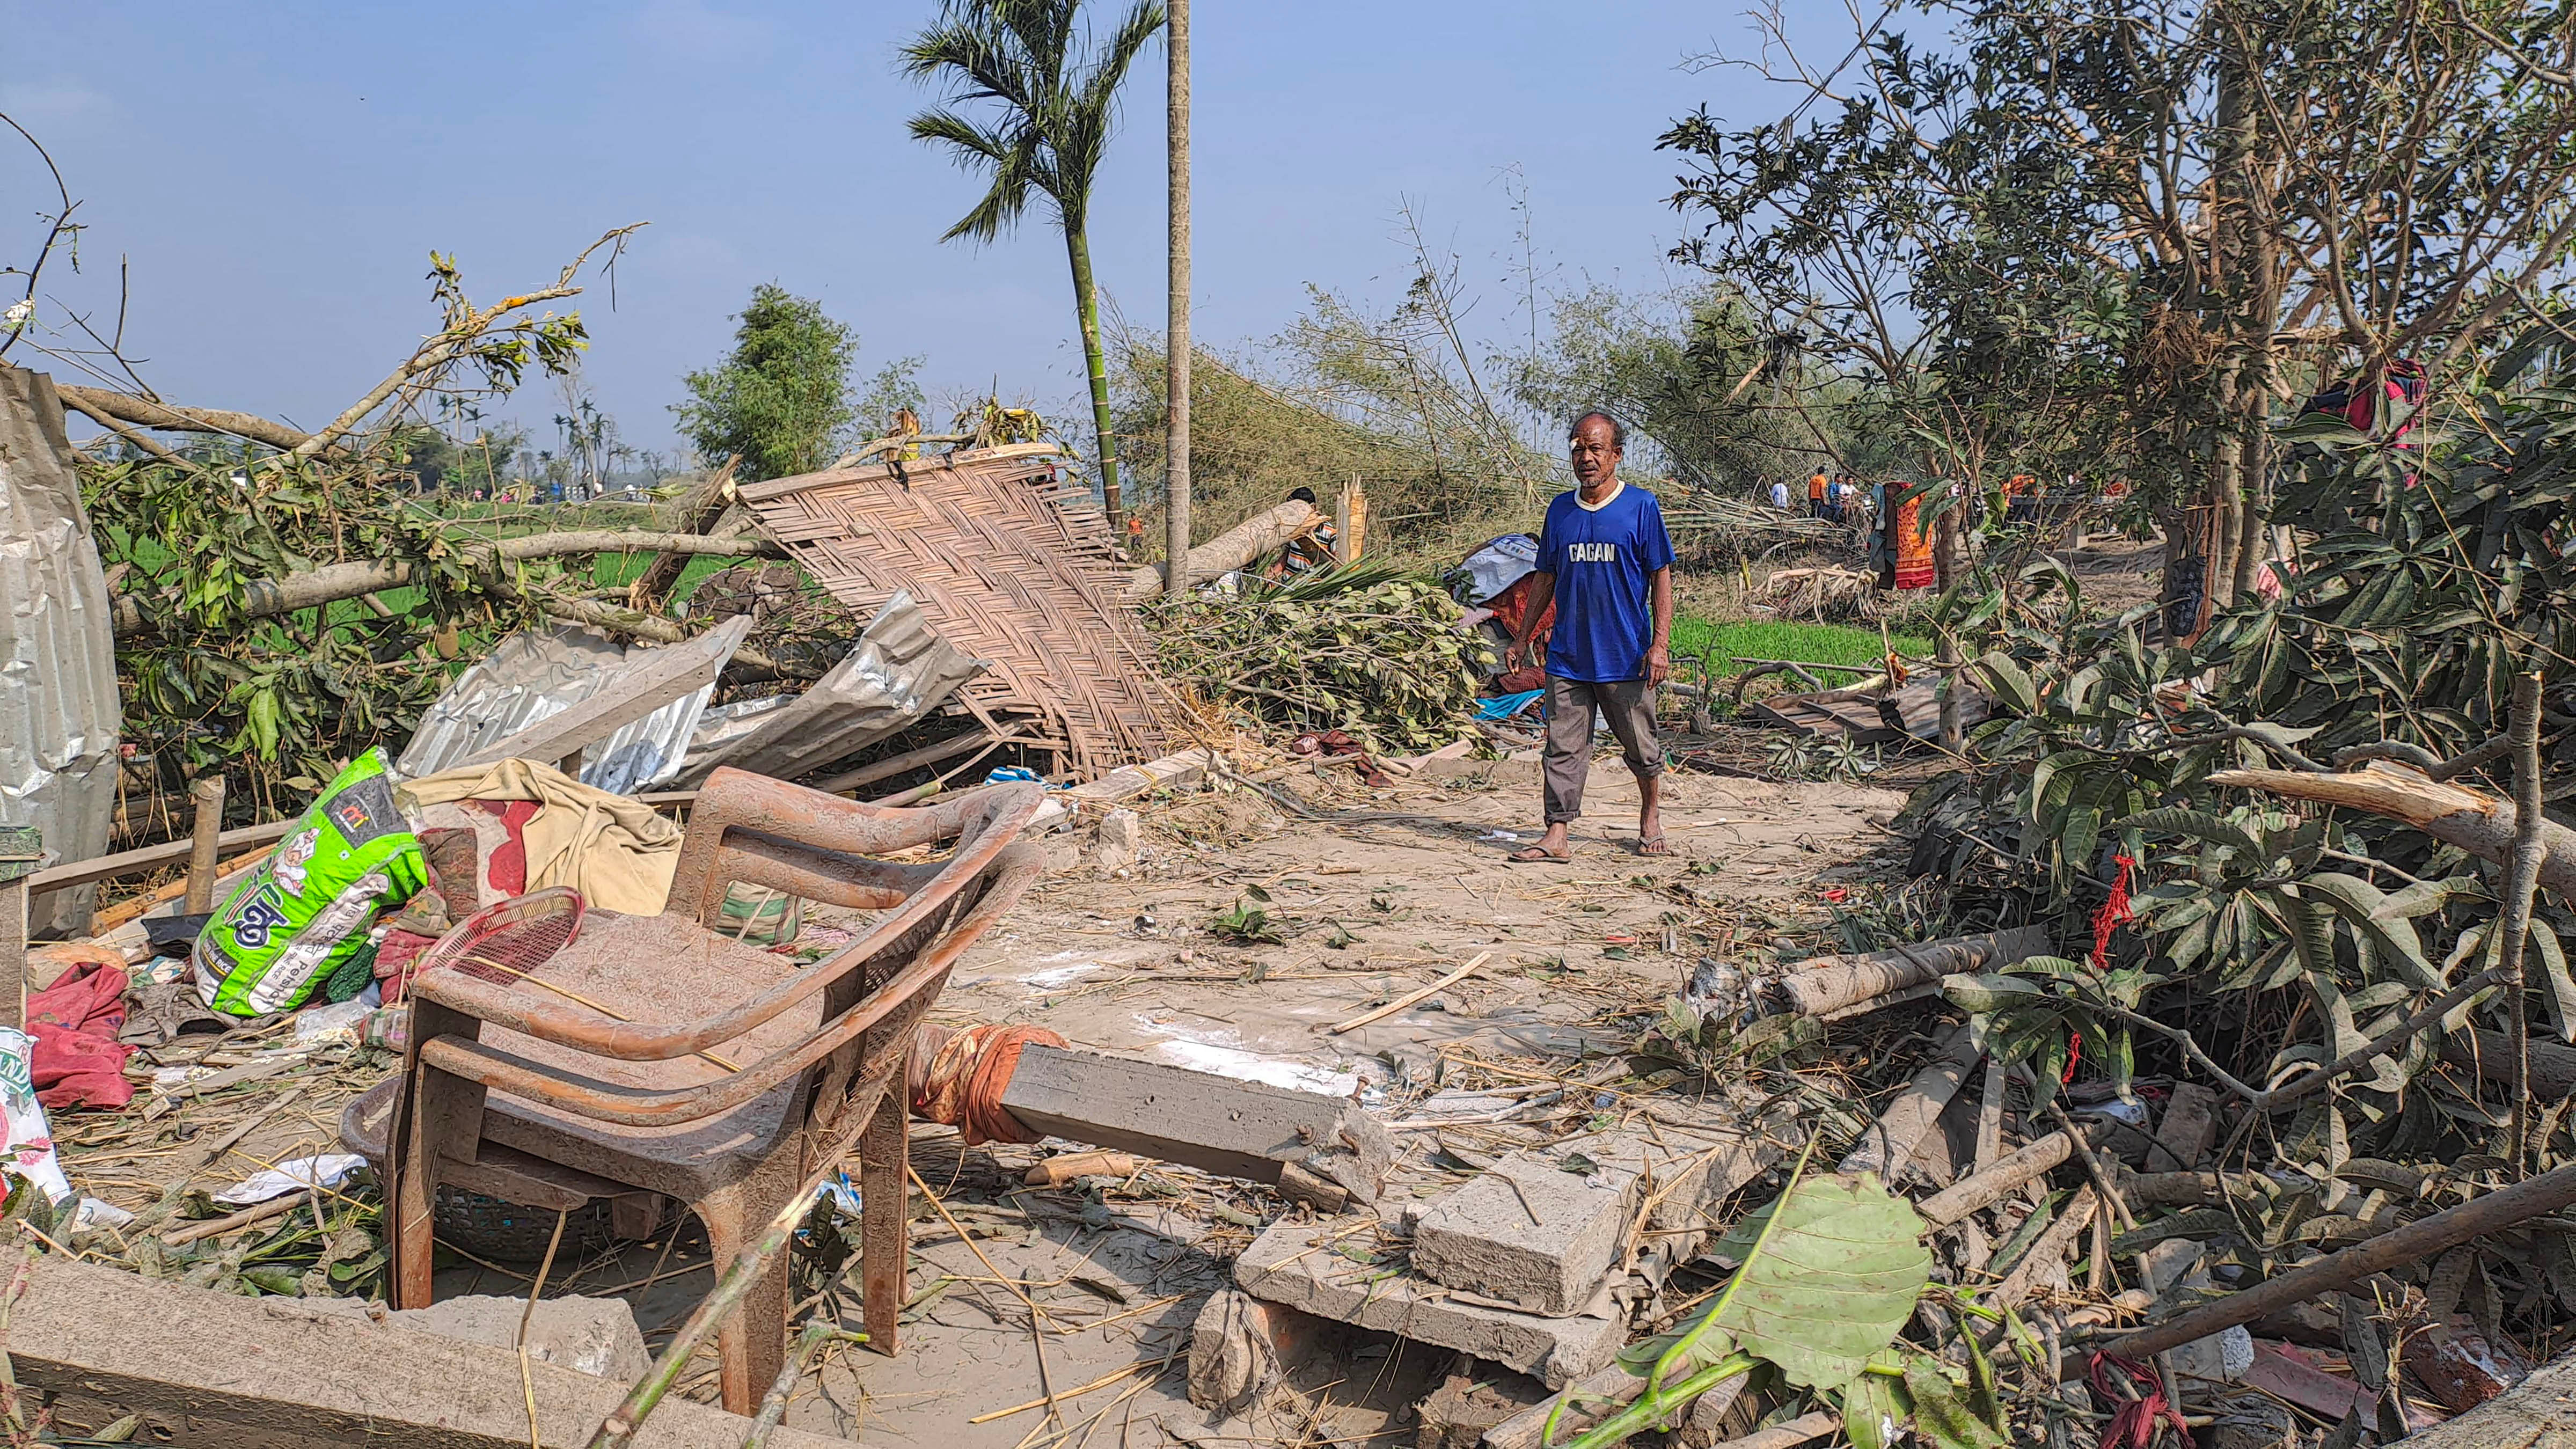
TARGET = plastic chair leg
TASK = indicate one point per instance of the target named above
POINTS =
(885, 1219)
(752, 1343)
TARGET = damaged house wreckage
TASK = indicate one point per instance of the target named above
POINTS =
(954, 1016)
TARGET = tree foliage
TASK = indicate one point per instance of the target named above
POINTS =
(2079, 237)
(782, 398)
(1044, 100)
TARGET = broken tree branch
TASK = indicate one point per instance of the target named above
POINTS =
(1233, 549)
(2416, 1242)
(331, 583)
(706, 502)
(2454, 814)
(452, 345)
(2521, 881)
(1990, 1186)
(101, 405)
(1822, 984)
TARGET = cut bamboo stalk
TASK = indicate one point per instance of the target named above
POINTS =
(1411, 997)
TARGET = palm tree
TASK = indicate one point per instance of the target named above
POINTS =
(1056, 95)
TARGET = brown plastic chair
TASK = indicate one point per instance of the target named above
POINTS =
(517, 1092)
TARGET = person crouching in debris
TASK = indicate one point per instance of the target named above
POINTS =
(1606, 560)
(1308, 551)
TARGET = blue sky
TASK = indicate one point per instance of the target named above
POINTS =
(275, 175)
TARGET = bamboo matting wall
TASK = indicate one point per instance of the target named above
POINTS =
(1008, 565)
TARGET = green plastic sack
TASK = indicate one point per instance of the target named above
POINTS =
(307, 908)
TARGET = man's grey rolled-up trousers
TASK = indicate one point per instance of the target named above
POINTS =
(1629, 705)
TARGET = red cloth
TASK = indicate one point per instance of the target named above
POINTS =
(78, 1062)
(2133, 1424)
(505, 868)
(1511, 607)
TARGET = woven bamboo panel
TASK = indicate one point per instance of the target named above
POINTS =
(1007, 565)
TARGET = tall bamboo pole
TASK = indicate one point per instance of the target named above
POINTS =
(1176, 454)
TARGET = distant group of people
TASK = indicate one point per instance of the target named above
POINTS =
(1831, 496)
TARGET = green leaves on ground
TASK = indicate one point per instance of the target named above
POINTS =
(1381, 660)
(1246, 925)
(1830, 1270)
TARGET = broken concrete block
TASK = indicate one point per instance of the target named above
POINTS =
(1216, 1124)
(1531, 1232)
(1296, 1264)
(212, 1368)
(1122, 835)
(595, 1336)
(1472, 1400)
(1232, 1362)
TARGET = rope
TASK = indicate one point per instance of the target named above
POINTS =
(967, 1076)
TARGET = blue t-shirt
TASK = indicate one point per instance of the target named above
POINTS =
(1604, 560)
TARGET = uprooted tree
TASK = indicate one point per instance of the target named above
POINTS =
(283, 598)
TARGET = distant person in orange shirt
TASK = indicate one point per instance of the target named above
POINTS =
(1817, 488)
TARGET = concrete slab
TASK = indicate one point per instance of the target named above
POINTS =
(1531, 1232)
(210, 1369)
(1296, 1263)
(1216, 1124)
(595, 1336)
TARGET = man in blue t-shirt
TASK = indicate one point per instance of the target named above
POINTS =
(1605, 559)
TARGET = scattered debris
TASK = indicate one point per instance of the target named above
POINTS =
(1007, 564)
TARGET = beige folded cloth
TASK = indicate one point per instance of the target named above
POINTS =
(612, 848)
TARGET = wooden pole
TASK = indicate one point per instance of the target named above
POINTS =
(22, 849)
(205, 842)
(1176, 455)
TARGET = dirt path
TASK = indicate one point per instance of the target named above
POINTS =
(1126, 962)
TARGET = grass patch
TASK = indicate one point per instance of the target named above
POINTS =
(1695, 637)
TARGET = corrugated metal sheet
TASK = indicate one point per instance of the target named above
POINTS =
(59, 710)
(537, 673)
(897, 672)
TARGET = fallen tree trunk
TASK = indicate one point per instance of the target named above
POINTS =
(705, 503)
(2454, 814)
(109, 408)
(1830, 983)
(331, 583)
(1234, 548)
(2416, 1242)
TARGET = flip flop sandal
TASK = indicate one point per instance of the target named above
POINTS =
(1532, 855)
(1649, 850)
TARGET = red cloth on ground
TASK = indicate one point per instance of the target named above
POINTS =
(78, 1062)
(1511, 607)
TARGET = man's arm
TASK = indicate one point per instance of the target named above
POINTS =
(1659, 655)
(1542, 593)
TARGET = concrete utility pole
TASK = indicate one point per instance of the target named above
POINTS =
(1176, 455)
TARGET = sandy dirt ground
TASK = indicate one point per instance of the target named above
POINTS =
(1125, 962)
(1371, 894)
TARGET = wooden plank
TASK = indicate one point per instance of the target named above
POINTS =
(151, 857)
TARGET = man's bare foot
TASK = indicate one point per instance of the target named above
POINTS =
(1553, 846)
(1650, 831)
